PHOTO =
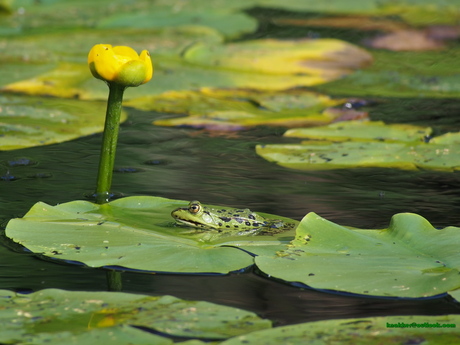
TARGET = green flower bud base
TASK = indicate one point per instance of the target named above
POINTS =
(109, 142)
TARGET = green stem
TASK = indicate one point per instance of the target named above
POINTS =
(114, 282)
(109, 143)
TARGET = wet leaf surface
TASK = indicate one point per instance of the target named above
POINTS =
(365, 144)
(372, 331)
(137, 233)
(408, 259)
(57, 316)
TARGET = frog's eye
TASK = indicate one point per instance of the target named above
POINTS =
(194, 208)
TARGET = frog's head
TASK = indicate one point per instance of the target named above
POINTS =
(194, 215)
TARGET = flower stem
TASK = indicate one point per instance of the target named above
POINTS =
(109, 142)
(114, 282)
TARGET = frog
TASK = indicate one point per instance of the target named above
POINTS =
(227, 219)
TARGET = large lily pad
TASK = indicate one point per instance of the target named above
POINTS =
(135, 232)
(55, 316)
(409, 259)
(364, 331)
(26, 122)
(366, 144)
(325, 58)
(239, 108)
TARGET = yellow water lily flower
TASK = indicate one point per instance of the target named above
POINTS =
(121, 65)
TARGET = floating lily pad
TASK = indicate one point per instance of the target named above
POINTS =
(234, 108)
(137, 233)
(403, 74)
(365, 144)
(26, 122)
(455, 294)
(55, 316)
(229, 23)
(363, 331)
(367, 154)
(363, 131)
(326, 58)
(409, 259)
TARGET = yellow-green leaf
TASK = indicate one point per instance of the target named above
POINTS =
(24, 124)
(235, 108)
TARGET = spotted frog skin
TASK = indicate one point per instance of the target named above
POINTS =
(222, 219)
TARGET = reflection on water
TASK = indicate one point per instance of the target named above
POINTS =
(224, 170)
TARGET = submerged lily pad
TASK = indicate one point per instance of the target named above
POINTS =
(362, 331)
(409, 259)
(26, 122)
(365, 144)
(137, 233)
(211, 108)
(55, 316)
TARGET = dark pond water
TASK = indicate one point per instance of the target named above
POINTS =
(222, 168)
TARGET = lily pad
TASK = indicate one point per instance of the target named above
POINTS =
(363, 331)
(24, 124)
(234, 108)
(137, 233)
(365, 144)
(408, 259)
(403, 74)
(455, 294)
(326, 58)
(57, 316)
(363, 131)
(366, 154)
(230, 24)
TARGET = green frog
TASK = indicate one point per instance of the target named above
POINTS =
(223, 219)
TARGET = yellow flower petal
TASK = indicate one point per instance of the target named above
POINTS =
(145, 56)
(120, 64)
(126, 51)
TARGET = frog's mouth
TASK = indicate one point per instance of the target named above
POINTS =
(191, 223)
